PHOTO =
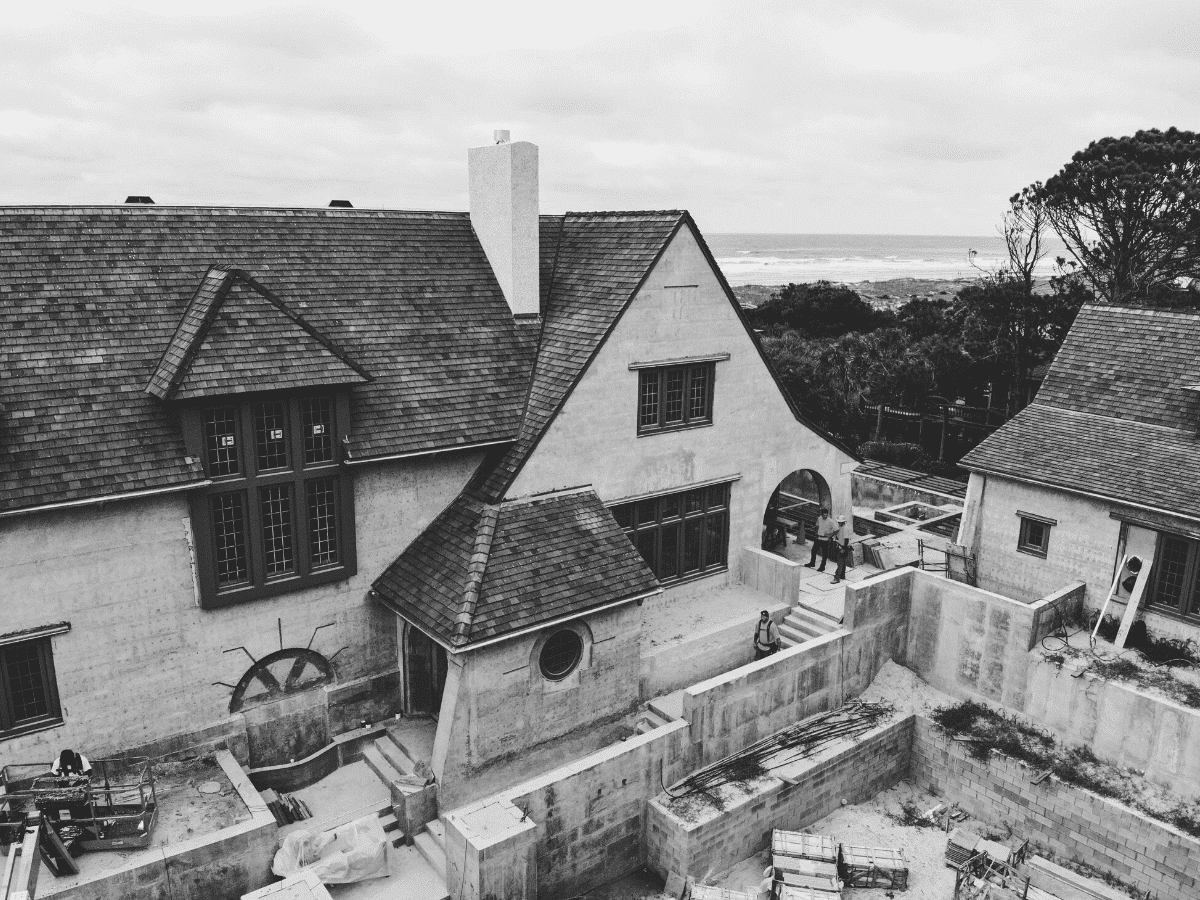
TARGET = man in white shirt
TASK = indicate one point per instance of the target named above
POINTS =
(841, 541)
(826, 529)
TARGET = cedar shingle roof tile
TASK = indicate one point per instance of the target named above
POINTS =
(90, 297)
(483, 570)
(1113, 417)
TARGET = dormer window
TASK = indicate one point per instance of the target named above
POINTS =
(279, 513)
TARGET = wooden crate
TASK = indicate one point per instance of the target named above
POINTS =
(710, 892)
(803, 846)
(961, 846)
(869, 867)
(786, 892)
(828, 883)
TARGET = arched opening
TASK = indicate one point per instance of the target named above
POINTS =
(790, 520)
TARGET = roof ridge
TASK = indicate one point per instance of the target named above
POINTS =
(1094, 415)
(489, 519)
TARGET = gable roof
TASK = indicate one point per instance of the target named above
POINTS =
(482, 571)
(593, 264)
(1115, 417)
(236, 337)
(90, 297)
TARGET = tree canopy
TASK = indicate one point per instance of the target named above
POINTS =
(819, 310)
(1128, 210)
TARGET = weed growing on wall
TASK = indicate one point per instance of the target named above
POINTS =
(988, 731)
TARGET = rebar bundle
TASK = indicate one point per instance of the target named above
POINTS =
(784, 747)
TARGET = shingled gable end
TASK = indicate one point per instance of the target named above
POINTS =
(226, 428)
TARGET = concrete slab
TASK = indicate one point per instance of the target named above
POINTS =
(411, 878)
(415, 736)
(352, 788)
(669, 705)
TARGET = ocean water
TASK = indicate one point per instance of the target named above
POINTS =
(784, 258)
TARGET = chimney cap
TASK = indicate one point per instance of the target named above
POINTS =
(341, 204)
(139, 198)
(502, 135)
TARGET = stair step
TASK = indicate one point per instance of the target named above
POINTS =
(437, 830)
(818, 614)
(669, 706)
(810, 617)
(792, 634)
(391, 751)
(376, 762)
(433, 852)
(806, 626)
(391, 827)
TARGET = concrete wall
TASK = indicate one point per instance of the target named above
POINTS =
(589, 818)
(1058, 818)
(708, 842)
(138, 665)
(220, 866)
(497, 704)
(972, 643)
(681, 311)
(1120, 724)
(879, 493)
(769, 574)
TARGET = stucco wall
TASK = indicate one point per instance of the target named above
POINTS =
(138, 665)
(1083, 546)
(754, 435)
(497, 703)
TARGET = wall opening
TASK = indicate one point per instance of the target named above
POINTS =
(425, 666)
(791, 515)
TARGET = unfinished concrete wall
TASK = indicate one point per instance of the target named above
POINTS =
(682, 311)
(769, 574)
(499, 704)
(876, 613)
(138, 665)
(589, 815)
(879, 493)
(491, 852)
(1058, 818)
(701, 843)
(1121, 724)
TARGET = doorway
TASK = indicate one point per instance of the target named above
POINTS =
(425, 673)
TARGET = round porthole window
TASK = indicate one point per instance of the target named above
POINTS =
(561, 654)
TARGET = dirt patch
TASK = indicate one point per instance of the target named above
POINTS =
(183, 811)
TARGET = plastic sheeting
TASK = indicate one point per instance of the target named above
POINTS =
(353, 852)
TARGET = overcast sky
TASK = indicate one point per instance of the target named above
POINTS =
(873, 117)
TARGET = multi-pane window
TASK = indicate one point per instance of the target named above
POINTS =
(28, 695)
(277, 514)
(1175, 578)
(1034, 536)
(674, 397)
(679, 535)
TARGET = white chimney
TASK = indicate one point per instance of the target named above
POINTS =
(503, 184)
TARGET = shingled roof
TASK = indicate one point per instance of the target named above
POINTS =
(236, 337)
(1117, 415)
(91, 297)
(481, 570)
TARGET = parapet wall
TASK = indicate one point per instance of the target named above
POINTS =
(1058, 818)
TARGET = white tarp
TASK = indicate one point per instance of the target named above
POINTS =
(353, 852)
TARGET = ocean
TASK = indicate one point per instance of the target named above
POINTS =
(783, 258)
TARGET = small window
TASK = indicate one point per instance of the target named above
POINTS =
(28, 694)
(674, 397)
(1035, 536)
(561, 654)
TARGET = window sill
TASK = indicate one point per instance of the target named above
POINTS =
(671, 429)
(1031, 551)
(31, 728)
(694, 576)
(275, 588)
(1166, 612)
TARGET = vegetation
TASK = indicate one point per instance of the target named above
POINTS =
(1075, 765)
(1128, 210)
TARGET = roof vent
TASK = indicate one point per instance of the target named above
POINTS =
(341, 204)
(136, 198)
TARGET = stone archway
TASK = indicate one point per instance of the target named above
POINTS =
(790, 518)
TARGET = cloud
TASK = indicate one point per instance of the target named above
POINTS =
(860, 115)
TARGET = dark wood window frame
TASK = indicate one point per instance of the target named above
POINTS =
(16, 656)
(1186, 572)
(1034, 535)
(293, 481)
(681, 535)
(656, 412)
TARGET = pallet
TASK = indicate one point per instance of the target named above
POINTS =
(787, 892)
(871, 867)
(797, 844)
(710, 892)
(827, 883)
(960, 847)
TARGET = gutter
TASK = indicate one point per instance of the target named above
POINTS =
(110, 498)
(375, 459)
(457, 651)
(1106, 498)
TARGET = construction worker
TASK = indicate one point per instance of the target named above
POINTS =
(71, 765)
(766, 637)
(826, 529)
(841, 540)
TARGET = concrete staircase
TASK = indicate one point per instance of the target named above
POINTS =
(804, 624)
(431, 844)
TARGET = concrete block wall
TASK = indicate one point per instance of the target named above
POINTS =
(589, 815)
(712, 842)
(1057, 818)
(138, 665)
(733, 710)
